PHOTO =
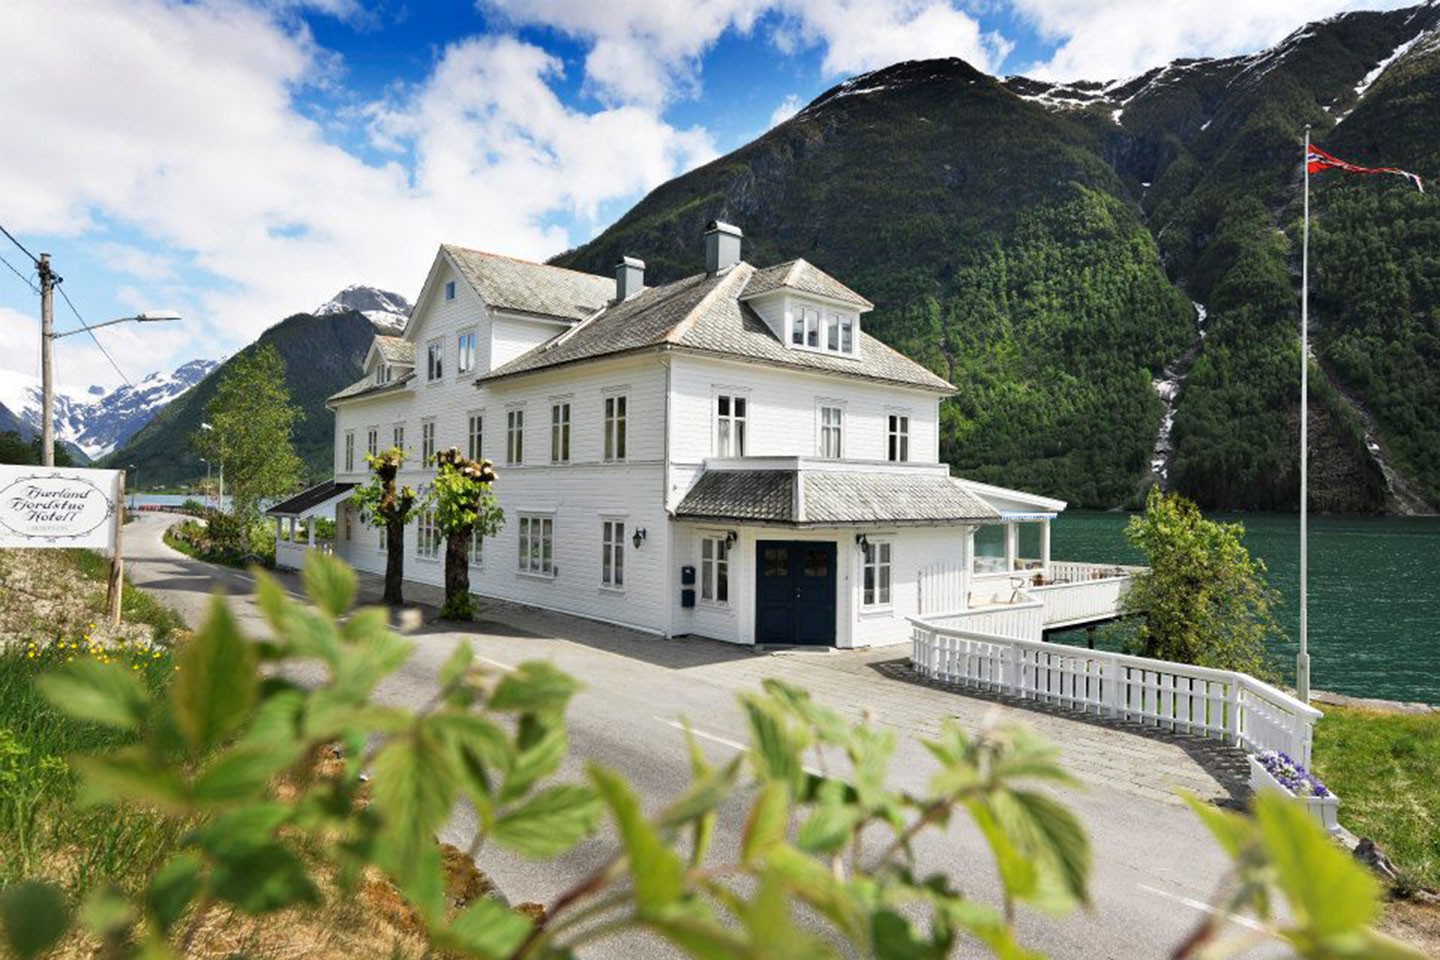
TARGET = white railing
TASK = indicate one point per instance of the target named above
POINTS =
(1081, 602)
(1075, 571)
(1170, 696)
(290, 555)
(1022, 620)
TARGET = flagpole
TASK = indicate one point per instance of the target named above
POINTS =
(1302, 660)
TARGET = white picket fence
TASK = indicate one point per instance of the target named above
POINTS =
(1170, 696)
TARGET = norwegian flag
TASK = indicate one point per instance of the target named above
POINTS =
(1318, 160)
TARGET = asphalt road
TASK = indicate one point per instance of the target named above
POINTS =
(1155, 865)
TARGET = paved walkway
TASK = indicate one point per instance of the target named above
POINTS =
(1154, 863)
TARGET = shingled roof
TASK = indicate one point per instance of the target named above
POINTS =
(706, 313)
(831, 498)
(367, 385)
(510, 284)
(807, 278)
(396, 350)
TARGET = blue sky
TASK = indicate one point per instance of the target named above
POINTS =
(241, 160)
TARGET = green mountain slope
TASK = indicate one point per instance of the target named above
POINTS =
(1038, 244)
(322, 354)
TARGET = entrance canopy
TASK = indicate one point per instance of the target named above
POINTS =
(317, 499)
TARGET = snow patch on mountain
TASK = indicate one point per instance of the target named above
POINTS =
(380, 307)
(93, 420)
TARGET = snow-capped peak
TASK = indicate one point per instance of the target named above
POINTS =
(381, 307)
(93, 420)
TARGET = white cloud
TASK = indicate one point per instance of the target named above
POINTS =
(178, 122)
(1107, 39)
(787, 108)
(861, 35)
(649, 51)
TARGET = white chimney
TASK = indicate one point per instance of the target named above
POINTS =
(629, 277)
(722, 246)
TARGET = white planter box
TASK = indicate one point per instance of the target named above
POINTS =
(1325, 810)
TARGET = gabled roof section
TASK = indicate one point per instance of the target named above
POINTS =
(396, 351)
(705, 314)
(802, 276)
(506, 283)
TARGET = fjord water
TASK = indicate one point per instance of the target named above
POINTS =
(1374, 594)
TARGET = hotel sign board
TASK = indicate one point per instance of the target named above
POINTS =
(59, 507)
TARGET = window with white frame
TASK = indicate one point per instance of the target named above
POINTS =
(831, 431)
(536, 544)
(812, 326)
(847, 333)
(449, 289)
(475, 551)
(612, 554)
(349, 450)
(435, 360)
(515, 436)
(372, 441)
(397, 434)
(714, 570)
(989, 546)
(427, 441)
(832, 332)
(349, 523)
(615, 427)
(729, 426)
(797, 327)
(898, 438)
(475, 432)
(465, 352)
(560, 433)
(876, 580)
(427, 536)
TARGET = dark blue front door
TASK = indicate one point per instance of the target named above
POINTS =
(794, 592)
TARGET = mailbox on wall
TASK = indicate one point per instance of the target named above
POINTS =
(687, 598)
(687, 575)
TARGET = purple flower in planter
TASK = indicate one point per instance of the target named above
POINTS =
(1291, 775)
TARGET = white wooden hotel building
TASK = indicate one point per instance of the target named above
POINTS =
(727, 456)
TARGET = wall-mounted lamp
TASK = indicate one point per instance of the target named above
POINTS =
(730, 537)
(639, 538)
(861, 541)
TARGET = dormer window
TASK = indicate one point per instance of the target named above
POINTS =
(383, 373)
(830, 331)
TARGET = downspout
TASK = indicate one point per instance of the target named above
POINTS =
(665, 506)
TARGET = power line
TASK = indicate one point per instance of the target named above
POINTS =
(86, 327)
(33, 259)
(23, 279)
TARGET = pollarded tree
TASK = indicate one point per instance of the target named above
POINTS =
(1204, 598)
(384, 506)
(465, 510)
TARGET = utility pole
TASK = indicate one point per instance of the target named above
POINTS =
(47, 365)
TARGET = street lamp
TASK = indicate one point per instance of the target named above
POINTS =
(134, 503)
(220, 505)
(207, 476)
(47, 338)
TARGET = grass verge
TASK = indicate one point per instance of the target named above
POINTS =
(1385, 767)
(44, 828)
